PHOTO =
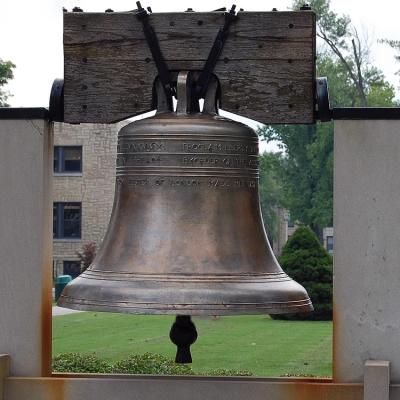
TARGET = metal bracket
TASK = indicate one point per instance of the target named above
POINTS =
(186, 96)
(56, 106)
(324, 112)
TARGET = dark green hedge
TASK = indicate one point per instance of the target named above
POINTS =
(308, 263)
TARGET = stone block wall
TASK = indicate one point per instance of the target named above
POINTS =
(94, 187)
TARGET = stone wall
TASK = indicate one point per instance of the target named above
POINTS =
(94, 187)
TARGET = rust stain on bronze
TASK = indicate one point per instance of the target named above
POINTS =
(46, 306)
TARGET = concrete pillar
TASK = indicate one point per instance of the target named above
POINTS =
(367, 247)
(25, 245)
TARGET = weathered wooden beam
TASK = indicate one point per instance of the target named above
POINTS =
(266, 70)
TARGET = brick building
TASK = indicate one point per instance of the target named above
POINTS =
(83, 189)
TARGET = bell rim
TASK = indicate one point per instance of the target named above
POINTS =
(188, 296)
(291, 307)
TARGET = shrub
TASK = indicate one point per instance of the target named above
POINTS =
(227, 372)
(87, 256)
(147, 363)
(308, 263)
(80, 363)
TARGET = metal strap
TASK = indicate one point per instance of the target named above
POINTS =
(163, 71)
(151, 38)
(216, 50)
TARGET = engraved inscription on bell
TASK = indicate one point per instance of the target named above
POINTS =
(189, 160)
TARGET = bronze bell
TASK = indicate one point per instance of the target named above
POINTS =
(186, 235)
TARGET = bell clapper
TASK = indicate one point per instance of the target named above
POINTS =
(183, 334)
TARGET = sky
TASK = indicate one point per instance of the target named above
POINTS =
(31, 35)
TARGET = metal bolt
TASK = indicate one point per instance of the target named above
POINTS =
(274, 9)
(64, 9)
(77, 9)
(109, 10)
(305, 7)
(189, 10)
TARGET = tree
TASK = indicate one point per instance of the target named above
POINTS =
(308, 263)
(270, 188)
(87, 256)
(394, 44)
(6, 74)
(306, 165)
(343, 40)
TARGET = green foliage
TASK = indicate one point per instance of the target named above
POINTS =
(147, 363)
(80, 363)
(305, 167)
(308, 263)
(227, 372)
(271, 191)
(6, 74)
(152, 364)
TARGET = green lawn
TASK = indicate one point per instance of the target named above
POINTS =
(254, 343)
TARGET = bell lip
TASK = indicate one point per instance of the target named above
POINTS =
(197, 310)
(263, 294)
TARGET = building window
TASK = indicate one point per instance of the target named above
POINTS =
(290, 222)
(72, 268)
(67, 159)
(329, 243)
(67, 220)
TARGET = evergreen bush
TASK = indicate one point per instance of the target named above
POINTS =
(306, 261)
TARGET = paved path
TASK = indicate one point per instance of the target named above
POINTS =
(63, 311)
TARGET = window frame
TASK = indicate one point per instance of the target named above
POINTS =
(330, 241)
(59, 230)
(59, 169)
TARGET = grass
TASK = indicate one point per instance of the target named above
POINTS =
(258, 344)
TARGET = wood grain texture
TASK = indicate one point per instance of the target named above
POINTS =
(266, 69)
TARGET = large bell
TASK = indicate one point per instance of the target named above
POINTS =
(186, 234)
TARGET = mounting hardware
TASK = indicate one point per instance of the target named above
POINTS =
(322, 99)
(216, 50)
(56, 106)
(151, 37)
(77, 9)
(305, 7)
